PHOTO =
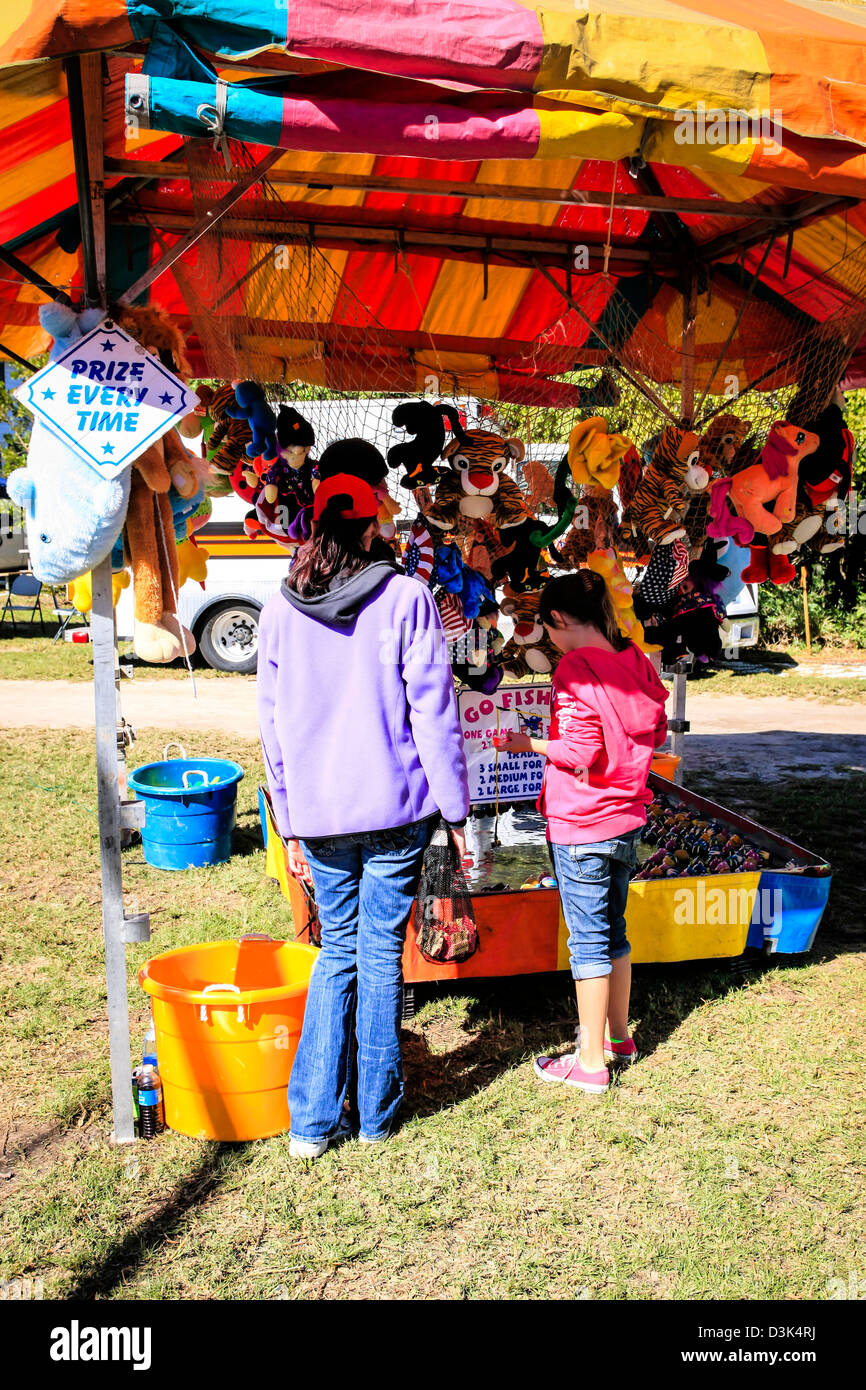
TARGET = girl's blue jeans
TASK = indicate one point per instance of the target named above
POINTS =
(365, 887)
(593, 885)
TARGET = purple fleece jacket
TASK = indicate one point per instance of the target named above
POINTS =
(357, 710)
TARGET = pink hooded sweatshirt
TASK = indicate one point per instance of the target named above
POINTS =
(607, 718)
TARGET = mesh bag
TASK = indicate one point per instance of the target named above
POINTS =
(444, 920)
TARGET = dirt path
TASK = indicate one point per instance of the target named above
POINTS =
(733, 736)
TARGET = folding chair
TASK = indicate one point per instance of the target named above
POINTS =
(24, 586)
(65, 617)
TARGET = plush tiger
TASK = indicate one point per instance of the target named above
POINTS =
(477, 487)
(659, 500)
(529, 652)
(455, 510)
(229, 438)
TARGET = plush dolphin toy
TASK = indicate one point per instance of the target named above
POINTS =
(74, 516)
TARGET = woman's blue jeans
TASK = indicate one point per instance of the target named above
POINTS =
(593, 886)
(365, 887)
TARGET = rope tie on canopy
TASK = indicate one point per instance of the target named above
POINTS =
(213, 116)
(609, 225)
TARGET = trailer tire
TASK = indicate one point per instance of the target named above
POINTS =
(229, 639)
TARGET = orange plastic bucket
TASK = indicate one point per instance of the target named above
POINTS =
(666, 764)
(228, 1017)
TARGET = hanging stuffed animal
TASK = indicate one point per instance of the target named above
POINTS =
(749, 492)
(452, 575)
(720, 442)
(482, 668)
(607, 564)
(284, 498)
(158, 635)
(521, 565)
(594, 455)
(692, 624)
(594, 528)
(537, 481)
(73, 514)
(529, 650)
(659, 501)
(477, 486)
(251, 407)
(425, 422)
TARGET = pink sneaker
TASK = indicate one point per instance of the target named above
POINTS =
(569, 1070)
(624, 1051)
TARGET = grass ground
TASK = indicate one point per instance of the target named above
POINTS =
(26, 657)
(725, 1164)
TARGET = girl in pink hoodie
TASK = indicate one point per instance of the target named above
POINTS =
(607, 718)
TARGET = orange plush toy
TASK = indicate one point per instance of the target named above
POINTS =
(750, 492)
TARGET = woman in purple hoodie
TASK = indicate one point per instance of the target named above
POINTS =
(363, 749)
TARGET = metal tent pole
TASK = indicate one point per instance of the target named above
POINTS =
(105, 697)
(679, 725)
(115, 930)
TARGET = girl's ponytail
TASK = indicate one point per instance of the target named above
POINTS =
(585, 597)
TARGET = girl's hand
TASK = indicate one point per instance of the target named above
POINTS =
(511, 742)
(458, 834)
(297, 862)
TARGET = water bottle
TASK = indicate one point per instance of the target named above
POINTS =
(136, 1118)
(151, 1110)
(148, 1052)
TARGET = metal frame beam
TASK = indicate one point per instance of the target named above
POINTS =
(457, 188)
(345, 234)
(798, 215)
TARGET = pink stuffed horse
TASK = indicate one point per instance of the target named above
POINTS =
(773, 480)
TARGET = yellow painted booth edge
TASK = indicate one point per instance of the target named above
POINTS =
(667, 921)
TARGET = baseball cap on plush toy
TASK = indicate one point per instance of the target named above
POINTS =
(364, 504)
(355, 456)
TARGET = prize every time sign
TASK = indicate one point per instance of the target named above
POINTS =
(522, 709)
(108, 398)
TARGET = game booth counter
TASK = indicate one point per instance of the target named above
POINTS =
(709, 884)
(611, 343)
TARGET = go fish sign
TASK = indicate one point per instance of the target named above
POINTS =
(521, 708)
(108, 398)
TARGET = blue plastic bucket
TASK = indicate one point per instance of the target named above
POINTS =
(189, 810)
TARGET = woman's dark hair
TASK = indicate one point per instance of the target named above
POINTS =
(585, 598)
(334, 548)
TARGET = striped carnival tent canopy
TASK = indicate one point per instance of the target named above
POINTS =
(496, 193)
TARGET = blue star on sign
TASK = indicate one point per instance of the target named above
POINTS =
(48, 394)
(108, 345)
(108, 448)
(166, 399)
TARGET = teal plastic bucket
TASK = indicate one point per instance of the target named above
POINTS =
(190, 806)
